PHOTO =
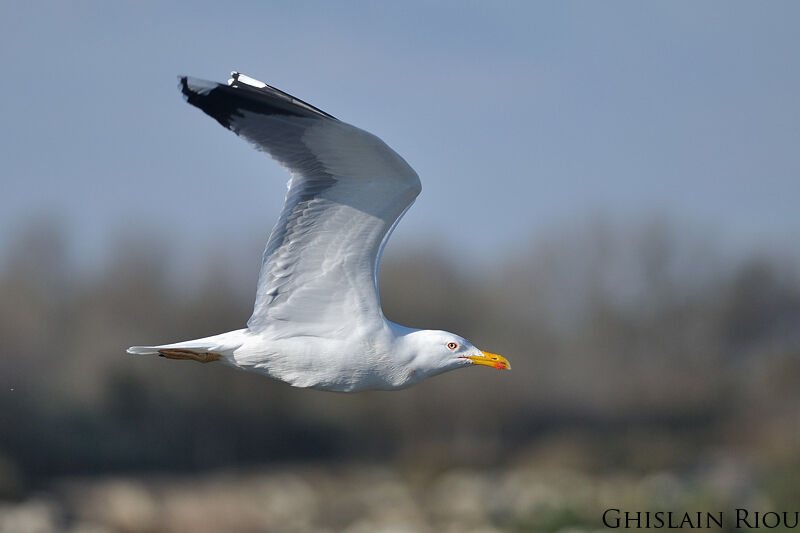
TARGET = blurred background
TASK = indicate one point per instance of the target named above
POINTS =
(610, 200)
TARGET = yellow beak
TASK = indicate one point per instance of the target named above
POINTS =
(490, 359)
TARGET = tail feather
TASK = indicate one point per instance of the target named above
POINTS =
(222, 344)
(142, 350)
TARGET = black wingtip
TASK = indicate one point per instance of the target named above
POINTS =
(223, 102)
(210, 97)
(183, 85)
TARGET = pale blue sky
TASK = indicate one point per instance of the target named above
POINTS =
(518, 117)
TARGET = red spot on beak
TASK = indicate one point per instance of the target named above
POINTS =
(499, 366)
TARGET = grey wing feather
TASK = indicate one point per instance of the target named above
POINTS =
(347, 192)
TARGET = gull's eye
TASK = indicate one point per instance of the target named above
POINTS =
(452, 345)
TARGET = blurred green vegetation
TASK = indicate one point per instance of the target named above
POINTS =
(641, 354)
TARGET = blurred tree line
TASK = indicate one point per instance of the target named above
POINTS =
(634, 345)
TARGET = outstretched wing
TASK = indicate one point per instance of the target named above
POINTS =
(347, 191)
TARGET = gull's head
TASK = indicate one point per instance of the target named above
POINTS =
(438, 351)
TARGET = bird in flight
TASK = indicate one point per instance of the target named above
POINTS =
(317, 320)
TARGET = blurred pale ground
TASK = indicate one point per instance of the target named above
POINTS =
(649, 372)
(610, 200)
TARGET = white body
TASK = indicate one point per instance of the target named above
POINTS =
(386, 357)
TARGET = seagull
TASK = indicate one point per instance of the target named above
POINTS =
(317, 320)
